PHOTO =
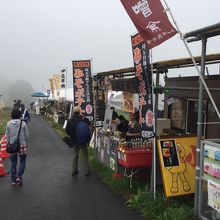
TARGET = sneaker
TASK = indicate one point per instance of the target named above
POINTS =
(19, 181)
(74, 173)
(88, 174)
(13, 184)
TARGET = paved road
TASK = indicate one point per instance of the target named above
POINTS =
(50, 192)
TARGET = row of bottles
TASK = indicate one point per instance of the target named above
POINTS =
(134, 144)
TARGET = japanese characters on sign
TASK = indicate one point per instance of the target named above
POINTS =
(214, 195)
(52, 86)
(82, 84)
(57, 82)
(150, 20)
(144, 81)
(63, 80)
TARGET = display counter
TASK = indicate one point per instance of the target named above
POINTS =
(125, 157)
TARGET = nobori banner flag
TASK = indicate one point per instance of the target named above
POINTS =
(151, 20)
(63, 80)
(144, 83)
(82, 87)
(52, 86)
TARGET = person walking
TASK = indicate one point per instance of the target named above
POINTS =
(12, 130)
(80, 134)
(25, 116)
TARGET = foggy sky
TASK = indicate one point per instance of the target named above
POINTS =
(39, 38)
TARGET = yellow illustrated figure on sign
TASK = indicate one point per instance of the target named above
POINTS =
(178, 172)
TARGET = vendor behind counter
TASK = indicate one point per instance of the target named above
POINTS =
(122, 124)
(134, 128)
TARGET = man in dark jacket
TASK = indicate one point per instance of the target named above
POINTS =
(71, 130)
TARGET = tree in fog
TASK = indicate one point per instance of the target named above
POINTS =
(22, 90)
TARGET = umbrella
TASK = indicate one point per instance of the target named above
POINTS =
(39, 94)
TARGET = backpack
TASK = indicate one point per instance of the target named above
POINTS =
(70, 126)
(83, 133)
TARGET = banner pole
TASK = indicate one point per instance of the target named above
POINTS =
(155, 103)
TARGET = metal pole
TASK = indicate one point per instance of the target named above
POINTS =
(199, 127)
(154, 162)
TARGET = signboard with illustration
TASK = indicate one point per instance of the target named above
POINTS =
(177, 160)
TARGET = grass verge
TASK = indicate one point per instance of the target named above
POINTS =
(4, 118)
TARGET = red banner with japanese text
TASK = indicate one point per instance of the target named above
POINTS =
(82, 86)
(144, 83)
(151, 21)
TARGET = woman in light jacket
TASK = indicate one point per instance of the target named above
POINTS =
(12, 129)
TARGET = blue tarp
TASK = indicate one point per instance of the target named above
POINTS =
(39, 94)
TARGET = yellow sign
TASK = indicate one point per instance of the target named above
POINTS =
(177, 160)
(52, 86)
(57, 82)
(128, 103)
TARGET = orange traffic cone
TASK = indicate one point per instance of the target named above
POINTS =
(3, 144)
(2, 168)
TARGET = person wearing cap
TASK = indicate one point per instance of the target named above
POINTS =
(71, 130)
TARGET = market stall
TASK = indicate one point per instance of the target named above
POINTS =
(117, 152)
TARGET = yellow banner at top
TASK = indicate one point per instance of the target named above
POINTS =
(52, 86)
(57, 82)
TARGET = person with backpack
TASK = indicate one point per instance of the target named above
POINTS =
(14, 127)
(80, 134)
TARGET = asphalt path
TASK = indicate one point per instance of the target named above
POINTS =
(50, 192)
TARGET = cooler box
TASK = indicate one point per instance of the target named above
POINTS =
(135, 158)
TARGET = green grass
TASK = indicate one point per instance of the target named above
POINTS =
(4, 118)
(156, 208)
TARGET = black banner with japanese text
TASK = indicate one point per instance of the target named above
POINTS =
(82, 87)
(144, 83)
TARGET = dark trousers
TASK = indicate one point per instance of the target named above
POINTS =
(76, 149)
(20, 172)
